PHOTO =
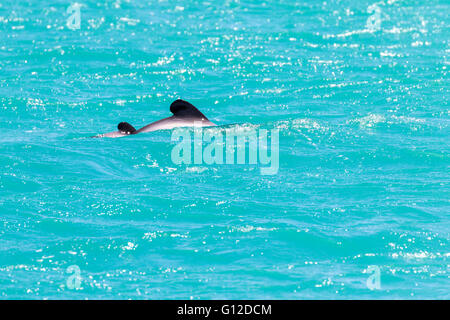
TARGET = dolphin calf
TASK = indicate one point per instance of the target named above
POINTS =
(184, 115)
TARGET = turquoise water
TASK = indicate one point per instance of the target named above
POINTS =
(357, 89)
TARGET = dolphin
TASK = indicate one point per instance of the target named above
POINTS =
(184, 115)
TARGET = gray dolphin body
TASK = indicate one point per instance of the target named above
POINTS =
(184, 115)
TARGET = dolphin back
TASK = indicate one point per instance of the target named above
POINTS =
(183, 109)
(184, 115)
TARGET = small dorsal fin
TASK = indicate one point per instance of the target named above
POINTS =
(183, 109)
(125, 127)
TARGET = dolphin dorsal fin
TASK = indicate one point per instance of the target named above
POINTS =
(183, 109)
(125, 127)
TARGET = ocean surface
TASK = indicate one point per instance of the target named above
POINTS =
(358, 91)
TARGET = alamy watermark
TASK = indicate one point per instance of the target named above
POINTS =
(373, 282)
(215, 146)
(74, 20)
(74, 280)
